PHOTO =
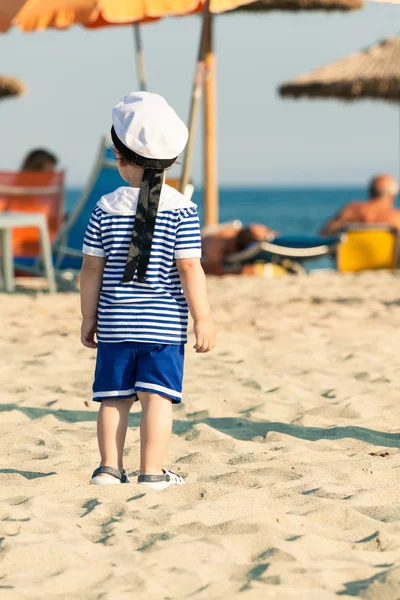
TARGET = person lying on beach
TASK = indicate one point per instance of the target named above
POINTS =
(379, 208)
(141, 247)
(228, 240)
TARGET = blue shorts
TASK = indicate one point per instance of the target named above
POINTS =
(124, 368)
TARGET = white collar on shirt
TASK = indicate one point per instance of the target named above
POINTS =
(123, 201)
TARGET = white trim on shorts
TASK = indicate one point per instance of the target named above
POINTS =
(131, 392)
(159, 388)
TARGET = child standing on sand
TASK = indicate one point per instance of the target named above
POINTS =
(141, 247)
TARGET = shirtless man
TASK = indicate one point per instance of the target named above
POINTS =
(229, 239)
(379, 208)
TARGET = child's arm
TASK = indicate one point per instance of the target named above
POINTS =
(194, 287)
(91, 282)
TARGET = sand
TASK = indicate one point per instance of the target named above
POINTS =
(289, 436)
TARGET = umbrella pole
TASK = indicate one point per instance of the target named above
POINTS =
(139, 57)
(197, 92)
(210, 134)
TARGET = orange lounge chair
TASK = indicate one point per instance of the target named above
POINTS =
(32, 192)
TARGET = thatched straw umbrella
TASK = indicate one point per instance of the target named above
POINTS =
(9, 86)
(373, 73)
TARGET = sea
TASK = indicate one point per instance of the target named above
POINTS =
(287, 210)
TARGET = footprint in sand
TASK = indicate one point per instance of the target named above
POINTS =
(249, 457)
(153, 539)
(27, 474)
(251, 383)
(236, 479)
(263, 562)
(385, 514)
(319, 492)
(382, 585)
(40, 456)
(370, 543)
(16, 501)
(89, 506)
(196, 458)
(226, 528)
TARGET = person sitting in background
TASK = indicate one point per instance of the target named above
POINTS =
(227, 240)
(379, 208)
(39, 160)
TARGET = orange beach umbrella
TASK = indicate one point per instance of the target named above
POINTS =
(33, 15)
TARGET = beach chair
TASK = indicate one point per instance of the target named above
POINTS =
(367, 247)
(284, 255)
(32, 192)
(67, 243)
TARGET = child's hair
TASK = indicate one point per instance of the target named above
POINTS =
(37, 160)
(126, 162)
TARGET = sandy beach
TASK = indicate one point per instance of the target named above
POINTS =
(289, 436)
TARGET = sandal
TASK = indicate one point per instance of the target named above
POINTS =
(160, 482)
(114, 476)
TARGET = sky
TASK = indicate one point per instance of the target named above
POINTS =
(75, 77)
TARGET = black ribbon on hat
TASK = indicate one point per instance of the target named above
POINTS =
(146, 211)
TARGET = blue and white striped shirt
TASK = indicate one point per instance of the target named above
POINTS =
(154, 311)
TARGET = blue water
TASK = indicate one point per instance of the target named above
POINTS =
(290, 211)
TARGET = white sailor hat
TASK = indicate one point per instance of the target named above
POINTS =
(146, 124)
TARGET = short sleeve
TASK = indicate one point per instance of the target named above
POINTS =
(92, 244)
(188, 238)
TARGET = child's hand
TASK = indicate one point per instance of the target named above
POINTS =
(88, 330)
(204, 331)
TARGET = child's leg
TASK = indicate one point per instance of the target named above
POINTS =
(112, 424)
(155, 432)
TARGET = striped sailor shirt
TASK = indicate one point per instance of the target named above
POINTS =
(154, 311)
